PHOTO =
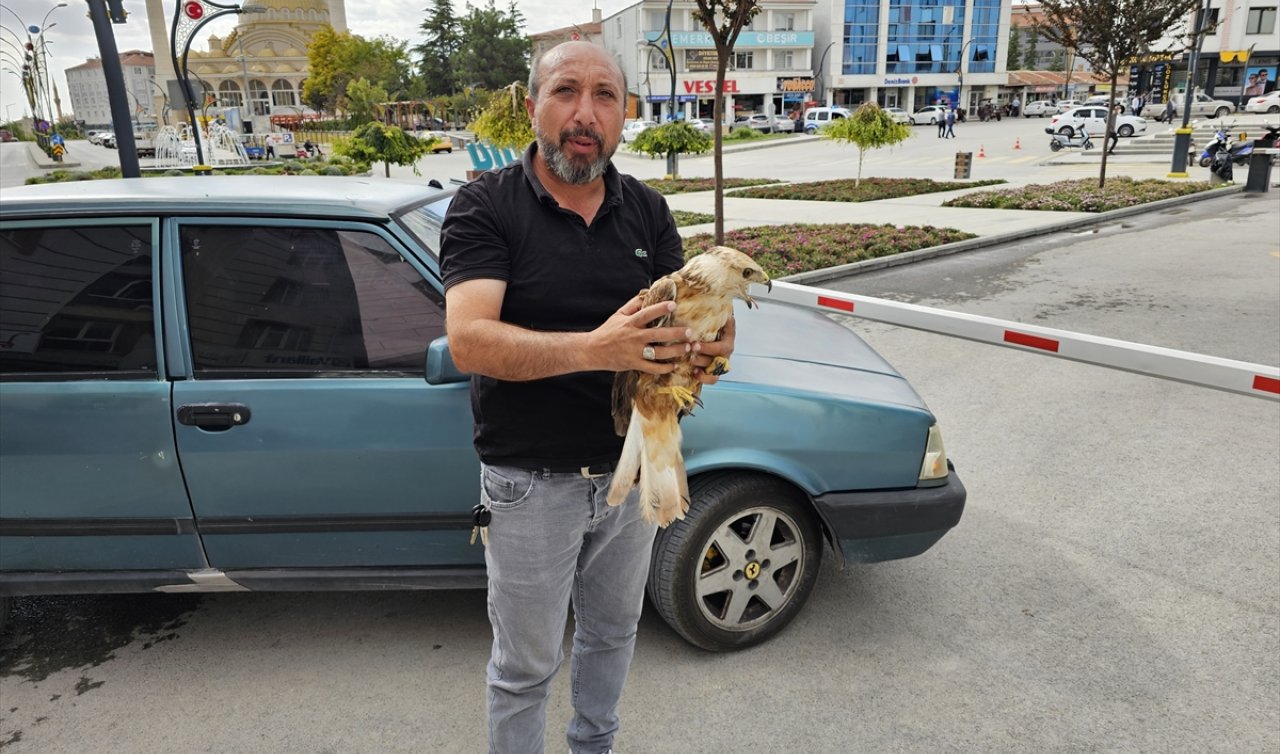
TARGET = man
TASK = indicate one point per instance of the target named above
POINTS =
(951, 124)
(1113, 138)
(536, 259)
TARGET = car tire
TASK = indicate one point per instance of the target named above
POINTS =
(1125, 130)
(1067, 131)
(1055, 146)
(1274, 109)
(770, 521)
(933, 121)
(1221, 112)
(811, 130)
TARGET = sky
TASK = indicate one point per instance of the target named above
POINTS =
(70, 40)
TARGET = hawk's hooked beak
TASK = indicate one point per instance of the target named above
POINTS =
(751, 303)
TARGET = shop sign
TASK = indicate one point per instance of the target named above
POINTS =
(745, 39)
(796, 84)
(700, 60)
(667, 98)
(901, 80)
(708, 86)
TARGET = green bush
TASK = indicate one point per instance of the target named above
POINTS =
(744, 133)
(333, 170)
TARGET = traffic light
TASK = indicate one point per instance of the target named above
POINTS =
(116, 12)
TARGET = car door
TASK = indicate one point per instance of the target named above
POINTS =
(306, 431)
(89, 475)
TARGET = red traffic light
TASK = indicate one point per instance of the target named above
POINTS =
(193, 10)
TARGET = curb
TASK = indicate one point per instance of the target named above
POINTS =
(982, 242)
(43, 161)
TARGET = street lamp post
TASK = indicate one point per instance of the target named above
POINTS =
(189, 17)
(821, 73)
(1182, 136)
(960, 73)
(35, 74)
(668, 52)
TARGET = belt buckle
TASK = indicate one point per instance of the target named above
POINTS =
(586, 473)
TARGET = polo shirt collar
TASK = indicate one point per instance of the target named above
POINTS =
(612, 181)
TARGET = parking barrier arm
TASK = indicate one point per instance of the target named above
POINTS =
(1245, 378)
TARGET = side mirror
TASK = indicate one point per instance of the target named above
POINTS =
(440, 367)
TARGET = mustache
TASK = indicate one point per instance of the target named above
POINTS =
(582, 133)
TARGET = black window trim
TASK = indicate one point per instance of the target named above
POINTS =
(157, 318)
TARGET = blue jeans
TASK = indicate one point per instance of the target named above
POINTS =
(554, 540)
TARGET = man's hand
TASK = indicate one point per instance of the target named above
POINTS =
(622, 339)
(704, 352)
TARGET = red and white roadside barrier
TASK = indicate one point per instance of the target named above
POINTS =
(1242, 377)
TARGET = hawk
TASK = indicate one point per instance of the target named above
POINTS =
(647, 407)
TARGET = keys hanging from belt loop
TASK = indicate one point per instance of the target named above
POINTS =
(481, 516)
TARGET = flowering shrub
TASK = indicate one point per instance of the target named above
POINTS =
(789, 249)
(685, 185)
(1081, 195)
(848, 190)
(691, 218)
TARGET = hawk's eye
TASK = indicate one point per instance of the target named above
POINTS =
(746, 273)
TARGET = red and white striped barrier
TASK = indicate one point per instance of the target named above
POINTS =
(1233, 376)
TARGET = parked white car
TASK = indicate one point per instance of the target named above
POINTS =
(1094, 120)
(705, 125)
(1202, 106)
(633, 128)
(1068, 104)
(817, 117)
(898, 114)
(1267, 103)
(929, 115)
(1039, 109)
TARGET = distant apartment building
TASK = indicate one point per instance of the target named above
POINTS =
(588, 32)
(1240, 57)
(87, 89)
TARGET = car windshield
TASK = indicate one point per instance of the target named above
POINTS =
(423, 223)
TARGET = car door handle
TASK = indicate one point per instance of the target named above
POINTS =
(215, 417)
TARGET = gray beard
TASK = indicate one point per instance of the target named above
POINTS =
(564, 167)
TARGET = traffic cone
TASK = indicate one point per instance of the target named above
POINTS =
(982, 151)
(1017, 143)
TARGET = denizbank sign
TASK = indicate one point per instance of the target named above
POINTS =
(745, 39)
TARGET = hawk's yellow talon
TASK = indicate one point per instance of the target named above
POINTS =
(683, 396)
(718, 366)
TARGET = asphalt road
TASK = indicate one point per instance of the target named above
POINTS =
(1114, 584)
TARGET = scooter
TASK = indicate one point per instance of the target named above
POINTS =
(1239, 151)
(1058, 142)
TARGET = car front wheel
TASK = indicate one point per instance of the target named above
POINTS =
(740, 565)
(1067, 131)
(1125, 130)
(1221, 112)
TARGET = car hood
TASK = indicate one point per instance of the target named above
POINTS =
(797, 349)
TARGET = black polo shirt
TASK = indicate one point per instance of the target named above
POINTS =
(562, 276)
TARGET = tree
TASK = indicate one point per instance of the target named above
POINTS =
(494, 51)
(338, 59)
(724, 19)
(362, 100)
(443, 38)
(378, 142)
(868, 128)
(505, 121)
(673, 137)
(1015, 49)
(1111, 34)
(1031, 58)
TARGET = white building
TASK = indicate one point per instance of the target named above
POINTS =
(87, 88)
(771, 70)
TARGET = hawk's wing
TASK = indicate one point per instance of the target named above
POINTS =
(624, 383)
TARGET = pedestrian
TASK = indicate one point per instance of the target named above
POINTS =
(542, 261)
(1112, 137)
(1169, 111)
(942, 124)
(950, 124)
(1015, 106)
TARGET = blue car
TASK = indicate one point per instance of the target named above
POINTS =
(242, 383)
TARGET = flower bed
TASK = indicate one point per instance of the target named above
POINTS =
(1080, 195)
(691, 218)
(686, 185)
(847, 190)
(790, 249)
(311, 166)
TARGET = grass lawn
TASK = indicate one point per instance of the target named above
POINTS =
(790, 249)
(848, 190)
(686, 185)
(1080, 195)
(691, 218)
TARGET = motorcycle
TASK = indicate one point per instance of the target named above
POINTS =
(1238, 151)
(1058, 142)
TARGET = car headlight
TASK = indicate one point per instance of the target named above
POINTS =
(934, 467)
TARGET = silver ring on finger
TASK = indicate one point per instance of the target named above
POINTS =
(649, 354)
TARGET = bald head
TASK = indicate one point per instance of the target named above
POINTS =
(570, 54)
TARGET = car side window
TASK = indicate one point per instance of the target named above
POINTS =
(76, 303)
(304, 302)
